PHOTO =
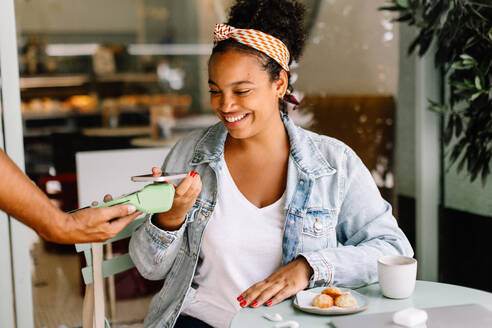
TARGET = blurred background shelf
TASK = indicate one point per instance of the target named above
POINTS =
(30, 82)
(53, 81)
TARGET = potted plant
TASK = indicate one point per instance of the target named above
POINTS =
(462, 32)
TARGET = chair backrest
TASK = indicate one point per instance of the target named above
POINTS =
(100, 173)
(93, 312)
(111, 266)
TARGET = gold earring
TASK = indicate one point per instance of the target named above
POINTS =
(289, 89)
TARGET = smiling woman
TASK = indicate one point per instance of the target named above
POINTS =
(274, 209)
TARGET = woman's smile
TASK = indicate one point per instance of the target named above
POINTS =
(232, 121)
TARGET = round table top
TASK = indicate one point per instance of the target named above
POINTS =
(427, 294)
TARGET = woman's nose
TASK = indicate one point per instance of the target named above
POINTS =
(226, 103)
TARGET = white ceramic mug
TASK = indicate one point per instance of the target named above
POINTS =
(397, 275)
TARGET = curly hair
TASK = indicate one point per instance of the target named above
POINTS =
(283, 19)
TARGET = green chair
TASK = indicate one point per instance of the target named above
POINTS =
(93, 311)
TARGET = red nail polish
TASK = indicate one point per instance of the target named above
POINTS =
(191, 173)
(254, 304)
(240, 298)
(243, 303)
(269, 303)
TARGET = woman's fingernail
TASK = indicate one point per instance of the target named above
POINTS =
(269, 303)
(243, 303)
(191, 173)
(254, 304)
(130, 209)
(240, 298)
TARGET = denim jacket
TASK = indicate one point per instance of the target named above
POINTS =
(335, 217)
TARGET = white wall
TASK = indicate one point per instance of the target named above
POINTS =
(353, 49)
(347, 52)
(66, 16)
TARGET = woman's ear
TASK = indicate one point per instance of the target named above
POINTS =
(282, 83)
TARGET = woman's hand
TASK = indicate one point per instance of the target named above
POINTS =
(185, 195)
(281, 284)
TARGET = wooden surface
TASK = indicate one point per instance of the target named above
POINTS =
(117, 132)
(365, 123)
(150, 142)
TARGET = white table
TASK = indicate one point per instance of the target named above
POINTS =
(427, 294)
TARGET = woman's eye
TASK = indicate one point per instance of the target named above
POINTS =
(213, 92)
(242, 92)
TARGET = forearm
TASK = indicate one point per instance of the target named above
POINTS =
(354, 263)
(366, 230)
(353, 266)
(153, 250)
(20, 198)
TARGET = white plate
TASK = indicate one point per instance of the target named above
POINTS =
(304, 298)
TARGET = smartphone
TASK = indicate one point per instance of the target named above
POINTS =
(164, 177)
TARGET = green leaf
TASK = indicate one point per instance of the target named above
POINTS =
(437, 107)
(458, 126)
(469, 83)
(461, 163)
(485, 173)
(455, 154)
(448, 134)
(461, 65)
(392, 8)
(465, 56)
(402, 3)
(475, 95)
(470, 42)
(478, 85)
(403, 18)
(462, 86)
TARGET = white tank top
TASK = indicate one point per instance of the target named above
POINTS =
(242, 245)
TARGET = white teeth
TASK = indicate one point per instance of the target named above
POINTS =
(234, 119)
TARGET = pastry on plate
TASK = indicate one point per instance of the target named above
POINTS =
(345, 301)
(333, 291)
(323, 301)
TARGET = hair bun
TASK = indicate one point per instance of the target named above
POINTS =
(283, 19)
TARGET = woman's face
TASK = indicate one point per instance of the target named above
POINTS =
(242, 94)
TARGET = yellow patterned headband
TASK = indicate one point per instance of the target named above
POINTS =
(269, 45)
